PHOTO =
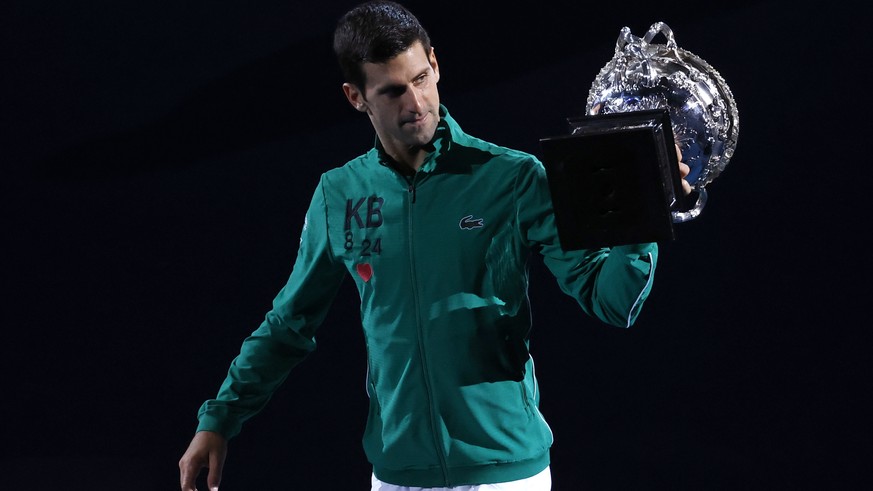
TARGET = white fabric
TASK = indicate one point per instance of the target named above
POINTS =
(539, 482)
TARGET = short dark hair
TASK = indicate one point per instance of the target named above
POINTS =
(374, 32)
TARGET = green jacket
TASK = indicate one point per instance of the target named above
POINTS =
(439, 260)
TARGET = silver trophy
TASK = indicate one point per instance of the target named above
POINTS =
(643, 75)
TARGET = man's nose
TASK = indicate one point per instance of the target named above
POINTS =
(414, 100)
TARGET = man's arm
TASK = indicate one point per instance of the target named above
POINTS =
(610, 284)
(284, 338)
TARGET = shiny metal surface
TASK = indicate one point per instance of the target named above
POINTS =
(645, 75)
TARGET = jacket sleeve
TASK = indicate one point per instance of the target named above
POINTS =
(286, 336)
(610, 284)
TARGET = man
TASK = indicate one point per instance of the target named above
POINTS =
(435, 228)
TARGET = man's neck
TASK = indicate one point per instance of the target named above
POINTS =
(409, 162)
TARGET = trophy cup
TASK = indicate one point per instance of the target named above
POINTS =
(643, 75)
(614, 178)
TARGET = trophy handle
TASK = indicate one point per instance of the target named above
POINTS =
(662, 28)
(694, 212)
(625, 37)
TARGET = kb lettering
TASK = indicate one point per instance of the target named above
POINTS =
(373, 216)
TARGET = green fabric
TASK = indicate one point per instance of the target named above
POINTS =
(440, 262)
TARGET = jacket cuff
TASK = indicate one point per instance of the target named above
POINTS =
(636, 249)
(218, 419)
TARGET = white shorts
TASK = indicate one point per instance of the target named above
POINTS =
(539, 482)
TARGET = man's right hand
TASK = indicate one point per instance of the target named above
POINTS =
(207, 449)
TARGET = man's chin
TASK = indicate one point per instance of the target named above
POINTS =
(422, 135)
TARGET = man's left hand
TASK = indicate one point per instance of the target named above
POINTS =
(683, 172)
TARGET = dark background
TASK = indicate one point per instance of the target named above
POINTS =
(158, 157)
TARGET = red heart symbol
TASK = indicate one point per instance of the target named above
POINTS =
(365, 271)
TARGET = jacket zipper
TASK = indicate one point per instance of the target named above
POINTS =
(410, 187)
(411, 182)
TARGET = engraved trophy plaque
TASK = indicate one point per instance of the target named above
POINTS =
(643, 75)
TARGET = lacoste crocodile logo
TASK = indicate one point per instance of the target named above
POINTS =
(469, 223)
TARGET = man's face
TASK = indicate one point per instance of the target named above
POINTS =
(401, 99)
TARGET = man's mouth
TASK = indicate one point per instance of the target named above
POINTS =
(417, 121)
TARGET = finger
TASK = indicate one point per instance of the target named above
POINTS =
(684, 169)
(188, 474)
(678, 152)
(216, 463)
(686, 187)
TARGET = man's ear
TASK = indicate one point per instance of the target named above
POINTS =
(433, 63)
(355, 97)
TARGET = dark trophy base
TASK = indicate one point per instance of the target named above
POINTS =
(614, 179)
